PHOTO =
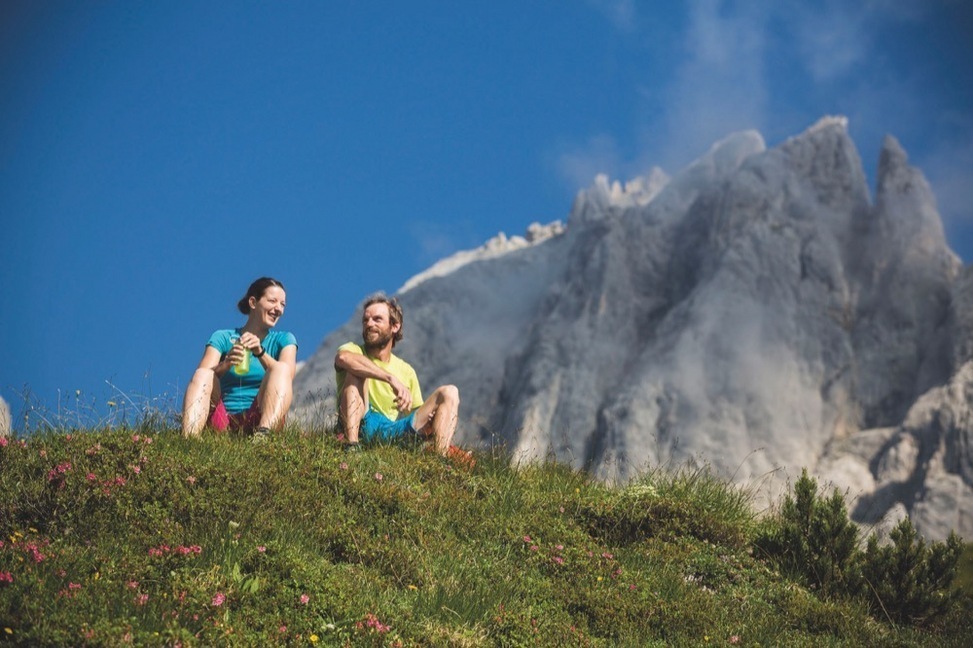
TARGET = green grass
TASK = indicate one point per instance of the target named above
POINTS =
(141, 537)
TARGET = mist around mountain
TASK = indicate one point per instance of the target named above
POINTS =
(759, 311)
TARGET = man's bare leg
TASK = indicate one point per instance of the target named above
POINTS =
(437, 417)
(351, 407)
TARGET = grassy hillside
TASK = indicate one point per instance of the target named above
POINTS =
(140, 537)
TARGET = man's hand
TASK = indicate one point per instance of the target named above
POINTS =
(403, 397)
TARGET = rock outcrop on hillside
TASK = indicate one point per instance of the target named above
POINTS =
(757, 312)
(5, 424)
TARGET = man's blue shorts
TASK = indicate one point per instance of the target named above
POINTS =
(378, 428)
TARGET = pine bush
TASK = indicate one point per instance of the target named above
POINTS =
(907, 581)
(814, 542)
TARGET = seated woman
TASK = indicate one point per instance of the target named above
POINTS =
(244, 381)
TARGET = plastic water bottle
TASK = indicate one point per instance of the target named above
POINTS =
(242, 368)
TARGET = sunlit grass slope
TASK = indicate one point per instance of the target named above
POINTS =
(141, 537)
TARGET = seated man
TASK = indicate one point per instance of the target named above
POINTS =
(379, 399)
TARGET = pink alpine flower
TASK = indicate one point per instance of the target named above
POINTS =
(372, 623)
(218, 600)
(305, 599)
(57, 472)
(6, 577)
(35, 553)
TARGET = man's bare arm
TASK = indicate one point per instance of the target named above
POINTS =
(362, 367)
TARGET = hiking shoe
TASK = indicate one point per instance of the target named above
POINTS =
(260, 435)
(461, 457)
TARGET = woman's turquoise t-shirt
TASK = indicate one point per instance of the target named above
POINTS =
(239, 391)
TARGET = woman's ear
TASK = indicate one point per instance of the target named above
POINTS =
(253, 302)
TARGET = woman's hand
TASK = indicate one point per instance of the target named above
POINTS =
(235, 355)
(248, 341)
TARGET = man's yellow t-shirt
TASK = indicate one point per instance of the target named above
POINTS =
(381, 398)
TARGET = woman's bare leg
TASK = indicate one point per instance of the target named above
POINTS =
(275, 396)
(202, 393)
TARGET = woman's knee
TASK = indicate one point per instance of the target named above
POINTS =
(203, 376)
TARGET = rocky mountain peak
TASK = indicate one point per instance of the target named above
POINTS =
(755, 312)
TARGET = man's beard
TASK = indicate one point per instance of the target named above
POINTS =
(377, 343)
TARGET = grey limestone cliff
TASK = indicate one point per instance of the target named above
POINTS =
(757, 312)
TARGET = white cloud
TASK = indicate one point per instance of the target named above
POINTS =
(948, 167)
(579, 166)
(433, 241)
(719, 87)
(831, 43)
(621, 13)
(777, 66)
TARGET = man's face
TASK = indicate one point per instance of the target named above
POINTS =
(377, 329)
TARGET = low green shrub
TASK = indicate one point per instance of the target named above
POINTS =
(813, 541)
(908, 581)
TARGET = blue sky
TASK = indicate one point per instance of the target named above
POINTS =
(156, 157)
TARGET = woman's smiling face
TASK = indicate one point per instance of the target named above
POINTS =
(270, 307)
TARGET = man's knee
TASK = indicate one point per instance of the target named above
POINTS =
(351, 400)
(449, 394)
(352, 392)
